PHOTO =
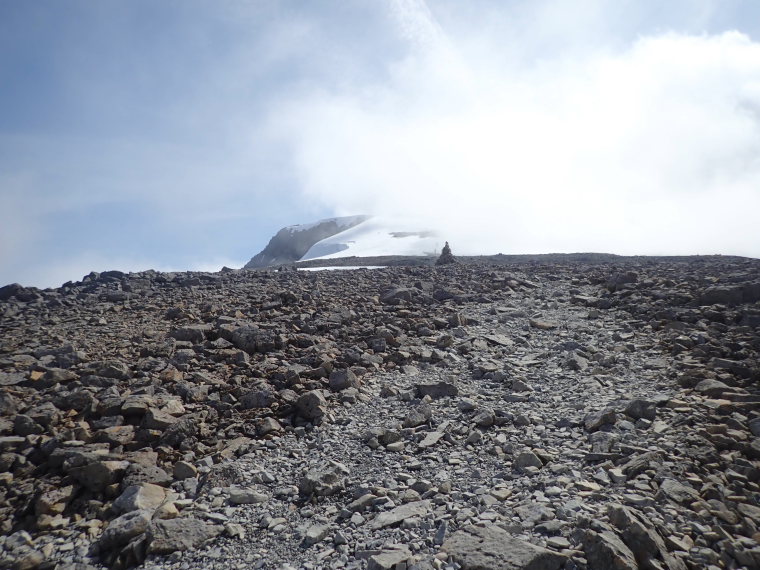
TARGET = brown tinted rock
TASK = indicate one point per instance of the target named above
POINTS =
(343, 378)
(98, 475)
(312, 405)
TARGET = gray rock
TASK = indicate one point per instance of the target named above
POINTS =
(712, 388)
(262, 397)
(246, 496)
(146, 497)
(123, 529)
(98, 475)
(643, 540)
(492, 548)
(595, 420)
(315, 534)
(312, 405)
(113, 369)
(157, 419)
(638, 409)
(184, 470)
(418, 416)
(606, 551)
(179, 432)
(390, 557)
(396, 295)
(185, 533)
(527, 459)
(678, 492)
(437, 390)
(254, 340)
(327, 479)
(342, 378)
(191, 333)
(403, 512)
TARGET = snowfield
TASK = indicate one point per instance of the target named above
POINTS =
(376, 237)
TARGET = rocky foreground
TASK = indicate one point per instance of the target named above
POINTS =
(536, 416)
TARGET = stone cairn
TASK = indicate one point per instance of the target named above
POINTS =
(446, 257)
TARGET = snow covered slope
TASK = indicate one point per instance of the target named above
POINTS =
(292, 242)
(376, 237)
(361, 236)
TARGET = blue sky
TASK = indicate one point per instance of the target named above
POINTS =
(183, 134)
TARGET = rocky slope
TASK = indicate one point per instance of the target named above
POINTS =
(530, 415)
(293, 242)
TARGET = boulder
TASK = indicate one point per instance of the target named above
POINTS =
(492, 548)
(312, 405)
(179, 534)
(324, 480)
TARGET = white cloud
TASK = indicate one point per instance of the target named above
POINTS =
(648, 148)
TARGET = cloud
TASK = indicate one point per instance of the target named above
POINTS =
(650, 147)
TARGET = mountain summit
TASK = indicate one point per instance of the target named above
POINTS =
(359, 236)
(291, 243)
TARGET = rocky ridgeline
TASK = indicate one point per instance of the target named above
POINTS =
(537, 416)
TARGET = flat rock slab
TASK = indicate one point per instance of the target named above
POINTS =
(398, 514)
(478, 548)
(167, 536)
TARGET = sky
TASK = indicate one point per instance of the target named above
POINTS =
(183, 134)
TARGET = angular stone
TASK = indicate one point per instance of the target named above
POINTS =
(643, 540)
(390, 557)
(123, 529)
(675, 491)
(492, 548)
(712, 388)
(595, 420)
(53, 502)
(184, 470)
(543, 324)
(638, 409)
(437, 390)
(146, 497)
(185, 533)
(343, 378)
(431, 438)
(527, 459)
(397, 515)
(98, 475)
(606, 551)
(116, 435)
(246, 496)
(157, 419)
(396, 295)
(327, 479)
(312, 405)
(418, 416)
(191, 333)
(315, 534)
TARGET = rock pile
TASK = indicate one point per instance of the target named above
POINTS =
(522, 416)
(446, 257)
